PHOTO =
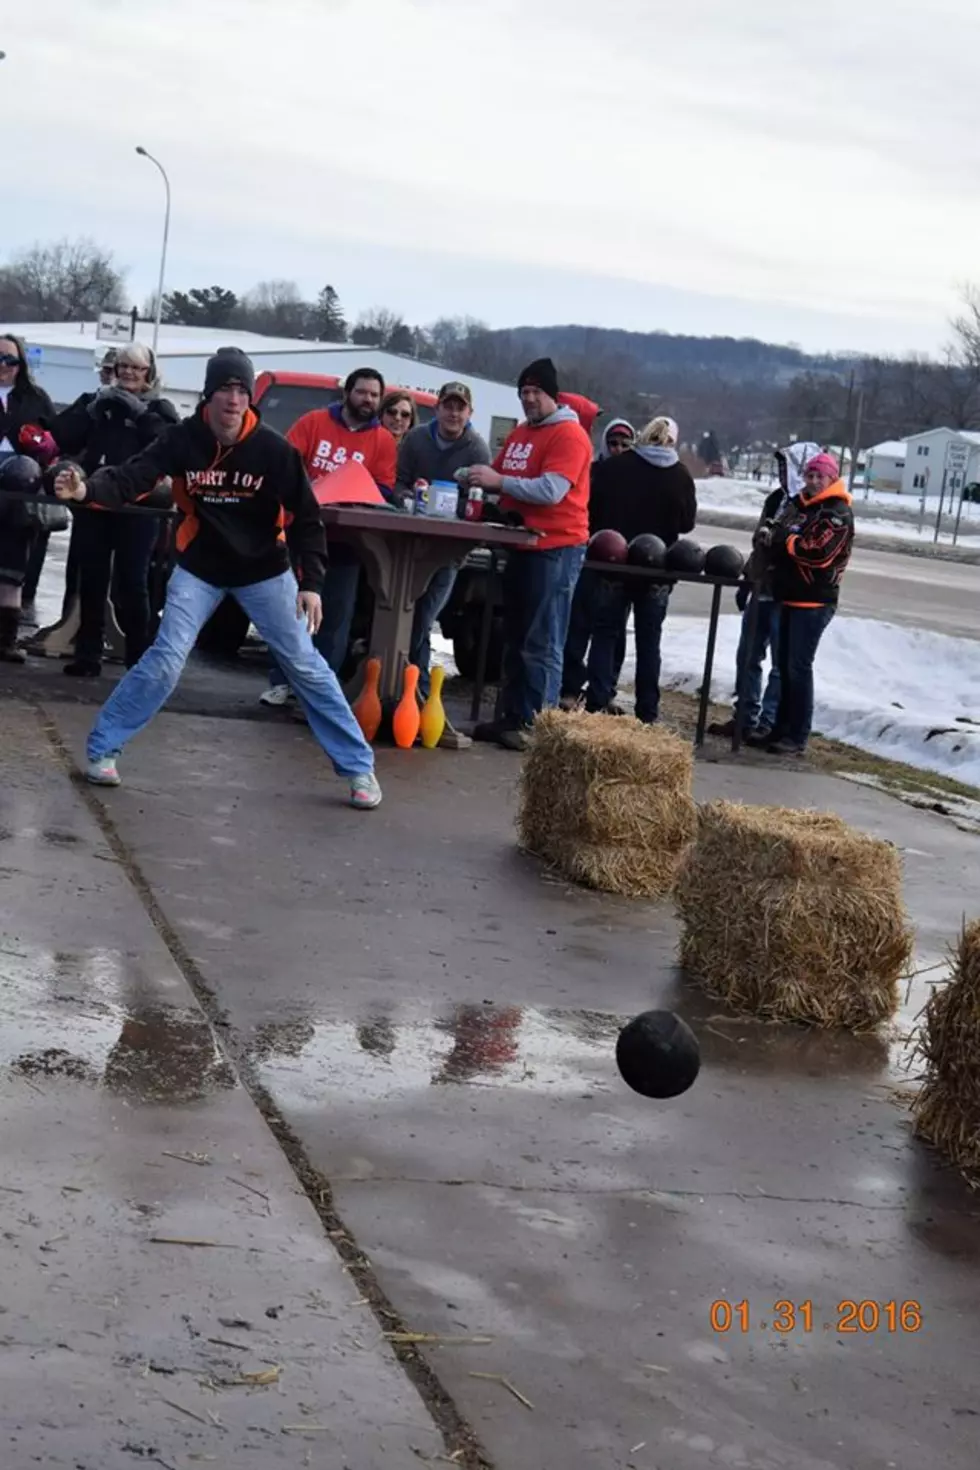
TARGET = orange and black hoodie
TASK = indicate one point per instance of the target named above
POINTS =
(811, 546)
(236, 502)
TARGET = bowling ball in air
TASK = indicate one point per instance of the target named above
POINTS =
(724, 561)
(647, 551)
(19, 472)
(658, 1054)
(686, 556)
(608, 546)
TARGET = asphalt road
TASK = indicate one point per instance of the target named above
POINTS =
(919, 591)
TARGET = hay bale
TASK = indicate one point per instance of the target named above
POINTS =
(607, 801)
(793, 916)
(946, 1111)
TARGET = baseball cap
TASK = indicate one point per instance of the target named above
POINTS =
(456, 390)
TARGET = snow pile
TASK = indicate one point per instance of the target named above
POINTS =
(904, 693)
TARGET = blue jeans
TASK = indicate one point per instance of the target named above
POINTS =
(427, 609)
(538, 587)
(613, 600)
(339, 605)
(759, 709)
(271, 606)
(800, 632)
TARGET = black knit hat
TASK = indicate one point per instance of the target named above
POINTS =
(229, 365)
(540, 374)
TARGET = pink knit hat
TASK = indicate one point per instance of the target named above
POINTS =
(824, 464)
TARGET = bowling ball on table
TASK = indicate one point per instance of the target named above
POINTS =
(658, 1054)
(724, 561)
(647, 550)
(608, 546)
(22, 473)
(686, 556)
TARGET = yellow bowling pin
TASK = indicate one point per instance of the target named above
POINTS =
(433, 719)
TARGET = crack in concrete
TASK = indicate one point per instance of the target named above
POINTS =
(611, 1191)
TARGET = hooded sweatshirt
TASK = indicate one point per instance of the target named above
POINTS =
(424, 455)
(811, 547)
(604, 450)
(545, 469)
(235, 501)
(645, 490)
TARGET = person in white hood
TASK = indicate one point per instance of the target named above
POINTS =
(759, 715)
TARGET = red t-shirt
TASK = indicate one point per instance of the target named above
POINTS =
(326, 444)
(566, 449)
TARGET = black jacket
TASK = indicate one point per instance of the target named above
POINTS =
(811, 546)
(27, 404)
(110, 426)
(630, 495)
(236, 502)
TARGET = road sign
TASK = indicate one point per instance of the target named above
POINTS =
(957, 457)
(115, 327)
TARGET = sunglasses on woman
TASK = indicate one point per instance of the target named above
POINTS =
(9, 359)
(398, 413)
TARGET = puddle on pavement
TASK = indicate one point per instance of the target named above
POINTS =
(93, 1017)
(386, 1054)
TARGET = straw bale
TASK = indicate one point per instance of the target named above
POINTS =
(946, 1111)
(607, 801)
(792, 915)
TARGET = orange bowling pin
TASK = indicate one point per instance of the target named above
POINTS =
(432, 721)
(405, 723)
(367, 706)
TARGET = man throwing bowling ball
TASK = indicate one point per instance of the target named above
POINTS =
(543, 472)
(644, 491)
(237, 486)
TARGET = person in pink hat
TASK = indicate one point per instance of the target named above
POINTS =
(810, 548)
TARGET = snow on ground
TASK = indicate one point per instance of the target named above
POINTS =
(744, 498)
(903, 693)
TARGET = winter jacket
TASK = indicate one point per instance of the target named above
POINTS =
(613, 424)
(236, 502)
(27, 404)
(645, 490)
(423, 456)
(110, 426)
(811, 546)
(545, 469)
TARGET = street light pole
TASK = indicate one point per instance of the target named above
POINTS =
(166, 235)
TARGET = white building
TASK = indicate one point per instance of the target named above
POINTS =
(940, 459)
(885, 465)
(65, 358)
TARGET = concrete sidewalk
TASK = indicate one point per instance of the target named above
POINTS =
(126, 1137)
(434, 1018)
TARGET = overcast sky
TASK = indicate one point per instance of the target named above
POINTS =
(776, 168)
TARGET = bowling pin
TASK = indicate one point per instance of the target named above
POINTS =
(405, 722)
(367, 706)
(432, 721)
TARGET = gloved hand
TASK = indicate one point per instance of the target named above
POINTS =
(742, 594)
(114, 397)
(763, 535)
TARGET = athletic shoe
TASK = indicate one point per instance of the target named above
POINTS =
(365, 793)
(276, 696)
(103, 772)
(759, 736)
(490, 731)
(514, 739)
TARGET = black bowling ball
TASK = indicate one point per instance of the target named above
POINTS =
(658, 1054)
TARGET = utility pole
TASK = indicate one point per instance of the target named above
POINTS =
(855, 445)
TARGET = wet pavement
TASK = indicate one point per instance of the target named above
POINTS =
(434, 1019)
(167, 1294)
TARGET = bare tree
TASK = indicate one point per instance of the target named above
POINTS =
(70, 280)
(377, 327)
(276, 308)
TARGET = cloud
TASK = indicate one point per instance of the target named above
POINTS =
(773, 156)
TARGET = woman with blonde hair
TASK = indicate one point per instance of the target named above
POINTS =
(102, 428)
(646, 490)
(399, 413)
